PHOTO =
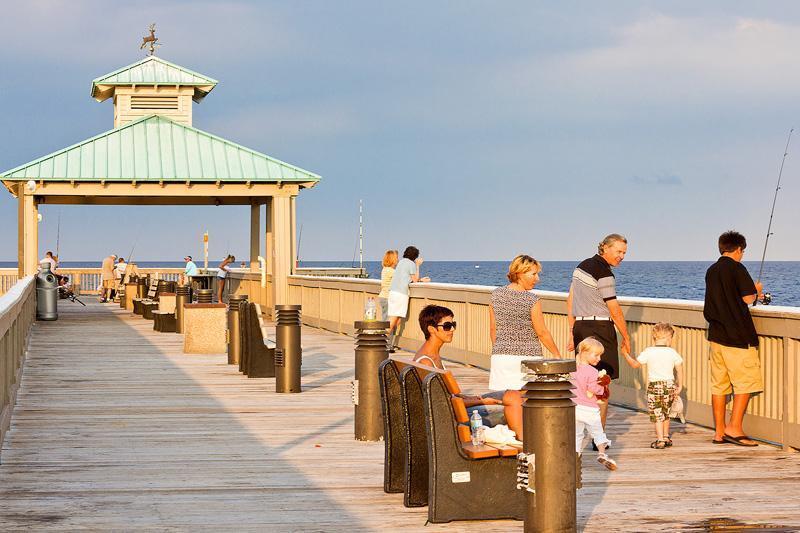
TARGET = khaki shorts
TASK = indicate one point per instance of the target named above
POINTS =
(735, 370)
(108, 283)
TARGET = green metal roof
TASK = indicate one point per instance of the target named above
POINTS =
(155, 148)
(153, 70)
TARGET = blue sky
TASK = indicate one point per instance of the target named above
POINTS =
(475, 130)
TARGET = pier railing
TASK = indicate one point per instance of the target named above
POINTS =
(335, 303)
(17, 312)
(86, 281)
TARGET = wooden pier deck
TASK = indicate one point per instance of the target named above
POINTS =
(115, 428)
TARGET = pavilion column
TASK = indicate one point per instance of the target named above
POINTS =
(28, 232)
(255, 235)
(281, 217)
(293, 225)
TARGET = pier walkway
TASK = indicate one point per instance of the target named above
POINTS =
(115, 428)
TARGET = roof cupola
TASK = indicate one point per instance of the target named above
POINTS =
(152, 86)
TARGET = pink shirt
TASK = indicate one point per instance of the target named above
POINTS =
(585, 379)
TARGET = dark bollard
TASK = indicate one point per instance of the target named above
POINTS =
(234, 328)
(142, 284)
(183, 295)
(549, 446)
(288, 353)
(163, 286)
(371, 350)
(205, 296)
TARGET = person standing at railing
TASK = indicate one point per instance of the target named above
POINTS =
(222, 275)
(517, 331)
(593, 309)
(189, 270)
(107, 278)
(387, 273)
(735, 367)
(406, 273)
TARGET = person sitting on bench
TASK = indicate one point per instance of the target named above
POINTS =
(438, 325)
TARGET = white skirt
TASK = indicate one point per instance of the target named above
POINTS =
(398, 304)
(506, 371)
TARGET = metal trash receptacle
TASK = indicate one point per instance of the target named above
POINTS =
(183, 296)
(234, 328)
(371, 349)
(46, 294)
(288, 353)
(205, 296)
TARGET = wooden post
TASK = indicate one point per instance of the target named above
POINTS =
(28, 231)
(255, 235)
(282, 248)
(293, 225)
(269, 239)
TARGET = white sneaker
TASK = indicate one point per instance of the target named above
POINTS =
(606, 461)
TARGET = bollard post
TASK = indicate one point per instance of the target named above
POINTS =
(234, 333)
(288, 353)
(549, 446)
(183, 295)
(205, 296)
(371, 350)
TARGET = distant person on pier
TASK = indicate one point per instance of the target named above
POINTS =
(107, 277)
(735, 367)
(222, 275)
(189, 270)
(517, 331)
(119, 272)
(49, 258)
(387, 273)
(593, 309)
(407, 272)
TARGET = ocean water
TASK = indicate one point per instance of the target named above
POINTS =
(655, 279)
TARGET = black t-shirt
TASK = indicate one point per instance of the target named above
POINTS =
(729, 320)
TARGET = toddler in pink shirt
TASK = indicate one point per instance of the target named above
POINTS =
(587, 389)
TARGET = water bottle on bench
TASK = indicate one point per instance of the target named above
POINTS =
(476, 428)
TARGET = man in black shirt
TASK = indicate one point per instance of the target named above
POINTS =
(735, 367)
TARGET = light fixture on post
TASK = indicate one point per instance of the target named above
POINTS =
(31, 185)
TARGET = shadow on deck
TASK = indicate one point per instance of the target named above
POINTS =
(115, 428)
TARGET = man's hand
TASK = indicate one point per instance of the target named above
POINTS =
(625, 348)
(426, 279)
(759, 290)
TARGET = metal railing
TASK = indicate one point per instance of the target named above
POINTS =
(335, 303)
(17, 312)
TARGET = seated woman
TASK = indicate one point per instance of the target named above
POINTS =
(438, 325)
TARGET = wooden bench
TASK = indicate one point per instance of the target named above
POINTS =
(465, 482)
(257, 351)
(164, 318)
(407, 464)
(139, 303)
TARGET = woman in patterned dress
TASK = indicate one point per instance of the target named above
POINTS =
(518, 331)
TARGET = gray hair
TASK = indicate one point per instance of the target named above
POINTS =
(609, 240)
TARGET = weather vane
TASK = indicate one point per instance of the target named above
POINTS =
(151, 39)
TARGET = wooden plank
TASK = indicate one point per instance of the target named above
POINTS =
(115, 428)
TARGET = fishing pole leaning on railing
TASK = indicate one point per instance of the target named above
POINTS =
(766, 299)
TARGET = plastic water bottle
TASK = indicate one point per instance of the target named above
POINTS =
(476, 428)
(370, 310)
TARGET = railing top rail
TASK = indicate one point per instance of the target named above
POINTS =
(772, 311)
(12, 300)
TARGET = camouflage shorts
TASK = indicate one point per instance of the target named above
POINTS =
(660, 395)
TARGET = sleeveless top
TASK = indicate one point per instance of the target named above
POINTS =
(512, 317)
(433, 363)
(386, 281)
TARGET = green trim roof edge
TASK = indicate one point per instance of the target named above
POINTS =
(99, 79)
(4, 175)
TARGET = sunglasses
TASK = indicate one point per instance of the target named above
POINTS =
(447, 326)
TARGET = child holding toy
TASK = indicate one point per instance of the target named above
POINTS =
(663, 363)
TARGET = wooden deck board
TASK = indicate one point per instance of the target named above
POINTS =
(115, 428)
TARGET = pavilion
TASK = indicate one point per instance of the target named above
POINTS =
(153, 156)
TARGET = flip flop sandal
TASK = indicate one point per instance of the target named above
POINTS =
(668, 442)
(607, 462)
(715, 441)
(738, 440)
(658, 444)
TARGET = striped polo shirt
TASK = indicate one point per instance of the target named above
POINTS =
(592, 286)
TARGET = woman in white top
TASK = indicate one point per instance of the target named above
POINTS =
(387, 273)
(222, 275)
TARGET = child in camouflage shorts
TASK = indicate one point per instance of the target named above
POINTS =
(663, 363)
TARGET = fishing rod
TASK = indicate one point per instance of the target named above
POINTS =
(767, 298)
(58, 233)
(299, 242)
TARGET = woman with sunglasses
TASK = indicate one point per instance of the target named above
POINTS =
(439, 325)
(517, 331)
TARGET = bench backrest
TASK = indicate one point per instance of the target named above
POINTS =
(394, 427)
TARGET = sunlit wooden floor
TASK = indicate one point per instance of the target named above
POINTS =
(115, 428)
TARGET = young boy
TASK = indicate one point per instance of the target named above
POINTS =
(662, 388)
(587, 389)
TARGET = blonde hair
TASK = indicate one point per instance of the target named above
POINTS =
(521, 264)
(609, 240)
(390, 258)
(591, 345)
(662, 330)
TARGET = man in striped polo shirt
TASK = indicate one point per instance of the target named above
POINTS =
(593, 309)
